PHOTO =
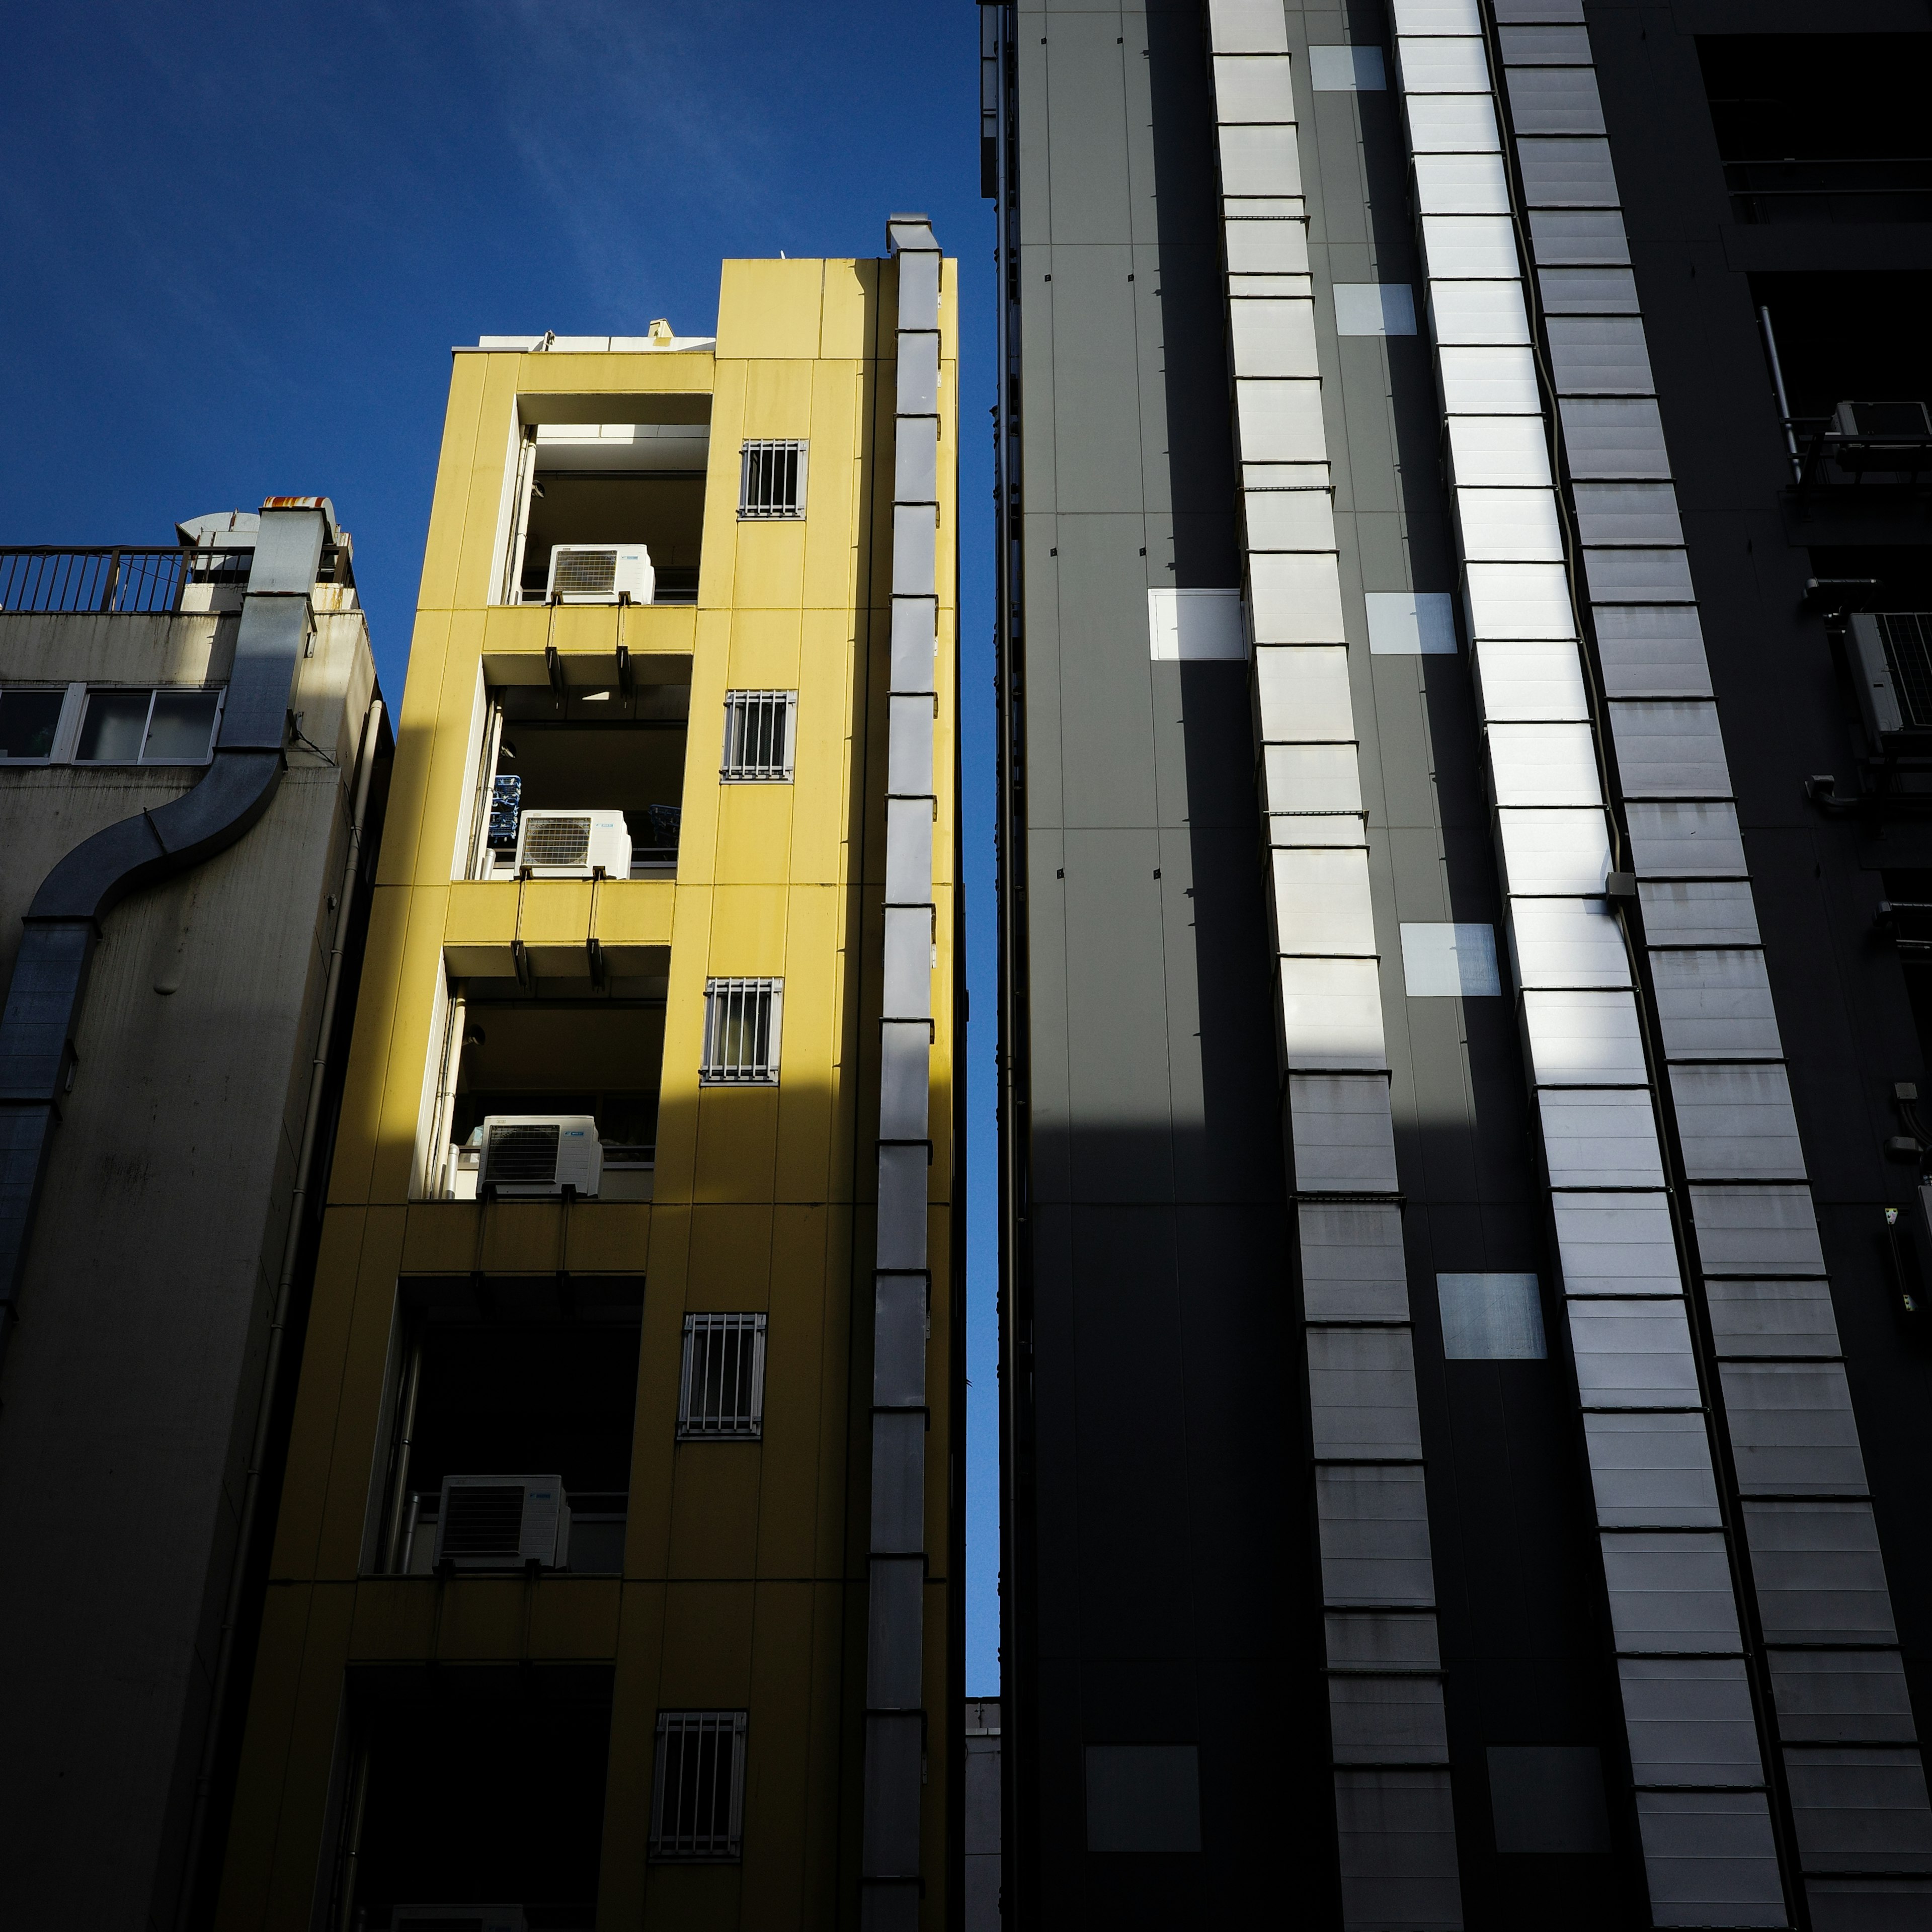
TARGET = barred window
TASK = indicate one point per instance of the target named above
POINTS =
(757, 735)
(697, 1799)
(771, 480)
(741, 1032)
(721, 1395)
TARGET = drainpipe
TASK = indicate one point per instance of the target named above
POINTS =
(42, 1015)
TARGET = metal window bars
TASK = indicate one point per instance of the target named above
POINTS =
(116, 579)
(1907, 636)
(771, 480)
(741, 1033)
(721, 1394)
(758, 736)
(698, 1795)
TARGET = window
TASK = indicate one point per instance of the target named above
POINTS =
(741, 1033)
(28, 720)
(771, 480)
(1490, 1317)
(721, 1395)
(757, 735)
(698, 1797)
(148, 727)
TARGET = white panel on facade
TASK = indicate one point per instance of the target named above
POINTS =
(1568, 943)
(1274, 338)
(1252, 87)
(1322, 904)
(1651, 1471)
(1544, 764)
(1297, 598)
(1669, 1593)
(1600, 1137)
(1344, 1139)
(1463, 312)
(1430, 65)
(1361, 1393)
(1375, 308)
(1639, 576)
(1303, 694)
(1267, 247)
(1490, 1317)
(1314, 779)
(1461, 184)
(1518, 600)
(1669, 747)
(1289, 519)
(1469, 247)
(1616, 1244)
(1820, 1578)
(1690, 1721)
(1735, 1123)
(1451, 124)
(1709, 1857)
(1632, 1355)
(1537, 680)
(1698, 912)
(1246, 27)
(1346, 70)
(1373, 1524)
(1449, 961)
(1185, 625)
(1613, 436)
(1651, 650)
(1771, 1317)
(1684, 840)
(1756, 1231)
(1260, 161)
(1489, 383)
(1715, 1004)
(1279, 421)
(1352, 1264)
(1411, 623)
(1565, 854)
(1291, 828)
(1583, 1039)
(1331, 1014)
(1498, 451)
(1791, 1428)
(1508, 527)
(1627, 513)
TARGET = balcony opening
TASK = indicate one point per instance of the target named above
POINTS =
(609, 512)
(605, 758)
(512, 1412)
(1822, 126)
(478, 1786)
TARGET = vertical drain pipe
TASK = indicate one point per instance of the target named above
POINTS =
(894, 1698)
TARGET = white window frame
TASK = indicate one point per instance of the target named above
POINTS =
(154, 691)
(685, 1847)
(740, 707)
(699, 1422)
(765, 512)
(712, 1070)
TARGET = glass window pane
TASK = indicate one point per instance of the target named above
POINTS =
(183, 723)
(111, 731)
(28, 720)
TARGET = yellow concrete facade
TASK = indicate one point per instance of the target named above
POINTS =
(744, 1564)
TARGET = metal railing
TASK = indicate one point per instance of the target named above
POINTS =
(1824, 456)
(1852, 189)
(117, 580)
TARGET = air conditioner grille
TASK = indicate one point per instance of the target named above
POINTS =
(522, 1154)
(585, 573)
(1908, 650)
(485, 1520)
(557, 841)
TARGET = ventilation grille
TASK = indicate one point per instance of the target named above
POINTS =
(698, 1800)
(1908, 651)
(741, 1032)
(557, 841)
(584, 573)
(758, 734)
(485, 1520)
(722, 1393)
(771, 481)
(522, 1155)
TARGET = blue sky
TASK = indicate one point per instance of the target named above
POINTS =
(239, 247)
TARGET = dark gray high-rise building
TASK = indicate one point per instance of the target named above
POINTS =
(1465, 496)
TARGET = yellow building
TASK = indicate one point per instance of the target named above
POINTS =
(615, 1581)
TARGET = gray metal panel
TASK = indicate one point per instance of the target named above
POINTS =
(1698, 912)
(907, 986)
(909, 745)
(1388, 1721)
(1668, 748)
(898, 1482)
(1841, 1696)
(1639, 576)
(1562, 173)
(1397, 1640)
(1652, 1471)
(1599, 356)
(1860, 1810)
(1361, 1393)
(1246, 27)
(893, 1635)
(1602, 1137)
(1252, 87)
(1791, 1428)
(1373, 1524)
(895, 1752)
(1352, 1266)
(1398, 1842)
(905, 1077)
(1555, 100)
(1686, 841)
(915, 642)
(902, 1179)
(1588, 291)
(1557, 852)
(1579, 238)
(1669, 1594)
(1736, 1122)
(1755, 1230)
(1618, 1244)
(1612, 437)
(915, 546)
(1818, 1575)
(1712, 1002)
(1430, 63)
(908, 851)
(916, 460)
(1494, 451)
(918, 392)
(1544, 46)
(1633, 1354)
(1771, 1317)
(898, 1341)
(1510, 12)
(1690, 1721)
(1567, 943)
(1344, 1138)
(1586, 1038)
(1627, 513)
(1710, 1859)
(1869, 1904)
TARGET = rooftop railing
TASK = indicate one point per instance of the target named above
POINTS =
(1857, 188)
(118, 580)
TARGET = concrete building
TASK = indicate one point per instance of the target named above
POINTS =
(192, 757)
(616, 1578)
(1464, 893)
(979, 1799)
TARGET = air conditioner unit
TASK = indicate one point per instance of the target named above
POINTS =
(574, 844)
(601, 574)
(502, 1523)
(1906, 422)
(1889, 655)
(458, 1918)
(535, 1154)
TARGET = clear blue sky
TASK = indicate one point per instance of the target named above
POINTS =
(239, 247)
